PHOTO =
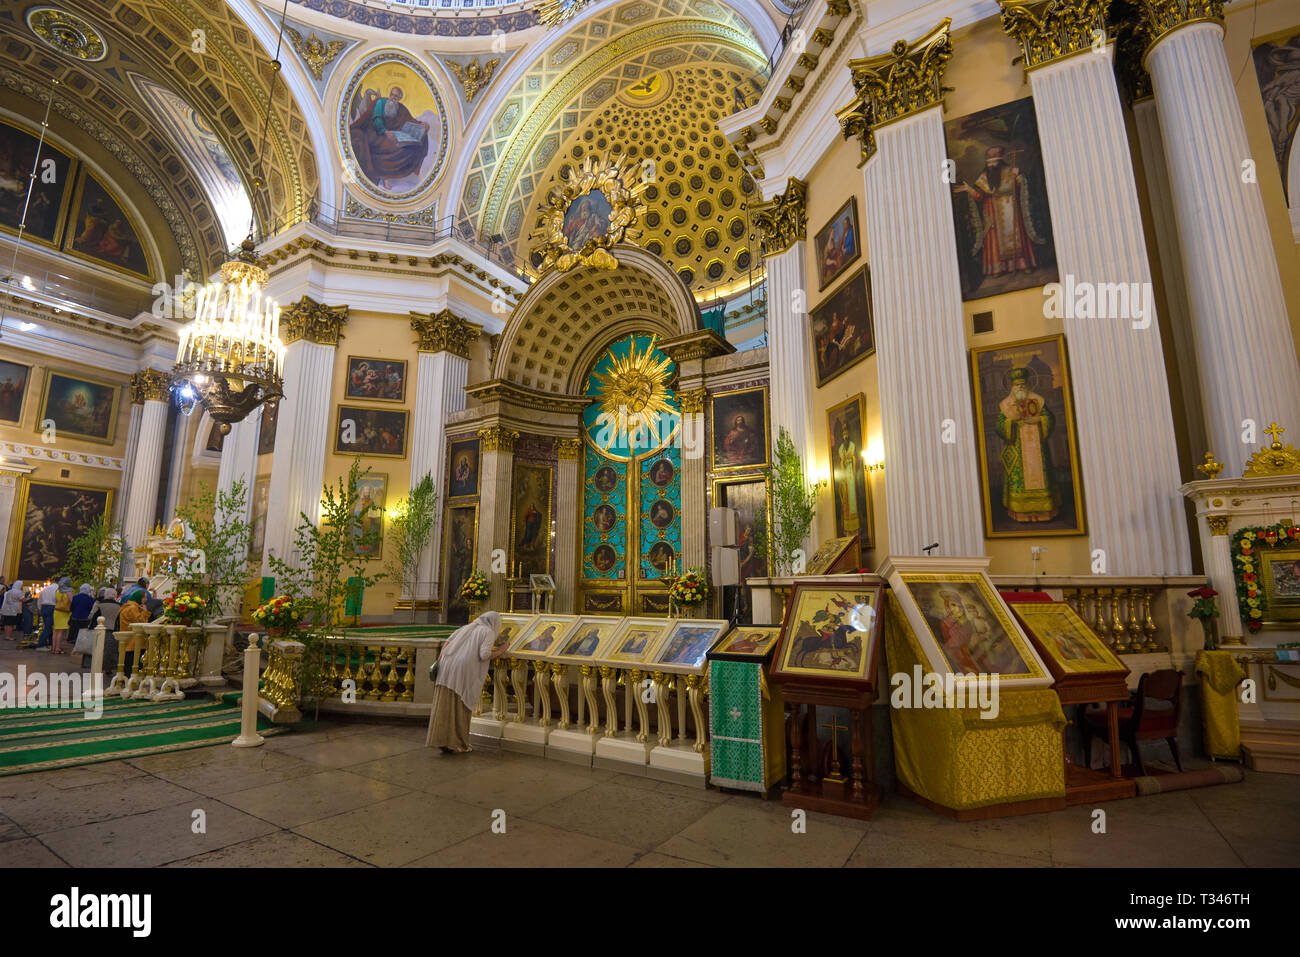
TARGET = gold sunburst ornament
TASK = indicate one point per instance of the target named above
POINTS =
(635, 385)
(553, 12)
(595, 206)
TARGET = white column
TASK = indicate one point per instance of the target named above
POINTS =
(931, 479)
(301, 443)
(566, 524)
(440, 381)
(9, 481)
(128, 462)
(1121, 393)
(239, 459)
(496, 470)
(1247, 360)
(142, 500)
(1216, 550)
(789, 350)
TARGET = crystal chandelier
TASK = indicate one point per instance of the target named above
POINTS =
(231, 358)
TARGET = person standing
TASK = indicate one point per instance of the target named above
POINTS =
(11, 609)
(79, 612)
(62, 613)
(109, 608)
(462, 669)
(45, 602)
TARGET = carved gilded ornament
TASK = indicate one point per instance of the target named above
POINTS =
(692, 400)
(445, 332)
(150, 385)
(622, 184)
(314, 52)
(1218, 524)
(839, 8)
(857, 121)
(784, 219)
(497, 439)
(907, 79)
(1277, 459)
(1050, 29)
(67, 33)
(1210, 468)
(310, 320)
(568, 449)
(1158, 18)
(474, 76)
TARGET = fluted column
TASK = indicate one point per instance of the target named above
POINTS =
(239, 460)
(1216, 550)
(442, 373)
(9, 483)
(566, 523)
(1246, 359)
(302, 435)
(931, 484)
(128, 462)
(150, 389)
(496, 468)
(694, 488)
(1135, 517)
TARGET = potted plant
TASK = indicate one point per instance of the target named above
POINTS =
(185, 608)
(794, 506)
(1205, 610)
(279, 616)
(689, 591)
(474, 592)
(410, 530)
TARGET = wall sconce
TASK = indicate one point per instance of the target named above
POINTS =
(873, 457)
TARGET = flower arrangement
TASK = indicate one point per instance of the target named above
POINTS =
(689, 589)
(476, 588)
(1205, 610)
(280, 612)
(184, 608)
(1246, 546)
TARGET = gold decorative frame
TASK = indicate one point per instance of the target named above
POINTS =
(608, 629)
(338, 427)
(755, 467)
(1041, 618)
(612, 657)
(809, 599)
(519, 622)
(347, 379)
(852, 207)
(866, 527)
(70, 229)
(563, 628)
(452, 443)
(450, 600)
(77, 377)
(722, 649)
(1284, 612)
(27, 390)
(547, 515)
(65, 194)
(719, 625)
(382, 510)
(621, 183)
(16, 542)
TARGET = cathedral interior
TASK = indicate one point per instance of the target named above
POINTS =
(729, 357)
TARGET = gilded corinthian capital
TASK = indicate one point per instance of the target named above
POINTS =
(497, 439)
(1048, 30)
(445, 332)
(1158, 18)
(907, 79)
(149, 385)
(784, 219)
(310, 320)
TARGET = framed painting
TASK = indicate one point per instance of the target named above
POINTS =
(376, 380)
(1064, 640)
(530, 520)
(463, 469)
(50, 193)
(1029, 458)
(739, 427)
(512, 626)
(1279, 570)
(831, 632)
(747, 643)
(544, 637)
(54, 515)
(849, 489)
(371, 432)
(971, 626)
(836, 243)
(589, 639)
(587, 219)
(266, 430)
(999, 201)
(103, 231)
(842, 330)
(368, 515)
(753, 519)
(459, 539)
(832, 553)
(261, 496)
(13, 390)
(635, 642)
(79, 408)
(687, 643)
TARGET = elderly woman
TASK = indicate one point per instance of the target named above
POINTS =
(11, 609)
(462, 669)
(79, 612)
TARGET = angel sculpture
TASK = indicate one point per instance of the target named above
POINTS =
(315, 52)
(474, 77)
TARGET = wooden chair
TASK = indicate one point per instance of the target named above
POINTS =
(1140, 722)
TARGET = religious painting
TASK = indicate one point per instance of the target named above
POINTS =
(967, 621)
(831, 631)
(849, 489)
(1279, 570)
(749, 499)
(464, 469)
(999, 201)
(1064, 639)
(383, 380)
(1029, 459)
(587, 218)
(831, 552)
(543, 637)
(1277, 67)
(589, 635)
(739, 426)
(266, 431)
(605, 479)
(461, 535)
(660, 512)
(13, 389)
(688, 643)
(747, 643)
(393, 126)
(79, 408)
(842, 330)
(261, 505)
(102, 230)
(368, 515)
(603, 558)
(637, 641)
(50, 190)
(660, 556)
(604, 517)
(53, 517)
(530, 551)
(837, 244)
(371, 432)
(662, 473)
(511, 627)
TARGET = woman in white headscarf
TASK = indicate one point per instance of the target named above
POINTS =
(462, 669)
(11, 609)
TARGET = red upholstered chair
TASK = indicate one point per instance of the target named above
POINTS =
(1152, 712)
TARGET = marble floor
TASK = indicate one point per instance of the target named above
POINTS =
(365, 794)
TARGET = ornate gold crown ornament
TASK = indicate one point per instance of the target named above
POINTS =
(596, 206)
(1277, 459)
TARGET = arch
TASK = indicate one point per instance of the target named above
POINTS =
(567, 318)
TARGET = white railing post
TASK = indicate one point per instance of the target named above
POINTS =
(248, 736)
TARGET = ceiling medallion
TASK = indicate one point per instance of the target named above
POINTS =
(552, 12)
(67, 33)
(596, 206)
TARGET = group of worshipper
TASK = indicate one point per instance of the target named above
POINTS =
(64, 614)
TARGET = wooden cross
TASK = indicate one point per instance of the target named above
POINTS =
(835, 728)
(1274, 430)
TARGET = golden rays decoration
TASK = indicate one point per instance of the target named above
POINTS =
(585, 237)
(636, 384)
